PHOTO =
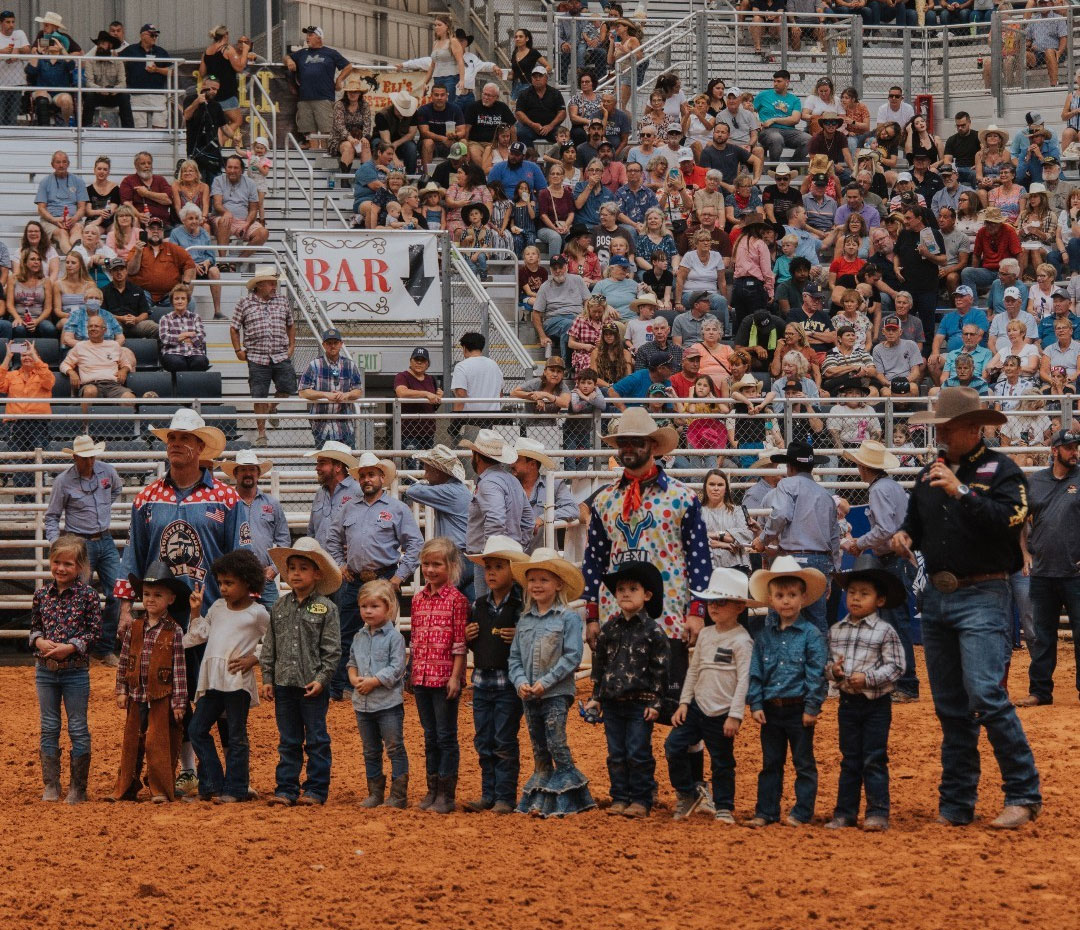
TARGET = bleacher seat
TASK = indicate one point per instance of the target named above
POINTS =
(146, 354)
(235, 445)
(160, 382)
(48, 351)
(211, 413)
(67, 422)
(202, 384)
(62, 385)
(122, 427)
(156, 313)
(153, 416)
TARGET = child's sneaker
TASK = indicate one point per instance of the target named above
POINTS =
(706, 806)
(636, 811)
(685, 805)
(187, 782)
(724, 816)
(875, 824)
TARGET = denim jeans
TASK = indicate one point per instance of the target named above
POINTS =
(978, 279)
(783, 727)
(270, 594)
(497, 721)
(438, 717)
(557, 329)
(529, 136)
(72, 687)
(630, 761)
(105, 560)
(776, 138)
(1049, 596)
(899, 618)
(697, 727)
(46, 329)
(233, 780)
(1020, 586)
(349, 613)
(383, 729)
(864, 749)
(546, 722)
(551, 239)
(301, 724)
(966, 644)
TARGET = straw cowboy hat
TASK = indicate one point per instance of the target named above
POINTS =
(727, 584)
(993, 130)
(246, 457)
(443, 458)
(637, 422)
(264, 273)
(830, 116)
(499, 547)
(332, 449)
(785, 566)
(186, 420)
(84, 447)
(868, 567)
(531, 449)
(873, 454)
(647, 575)
(646, 297)
(550, 561)
(359, 83)
(404, 102)
(309, 548)
(992, 215)
(491, 445)
(371, 460)
(50, 19)
(747, 380)
(432, 187)
(959, 405)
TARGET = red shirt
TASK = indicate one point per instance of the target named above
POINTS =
(438, 634)
(990, 252)
(681, 384)
(157, 185)
(695, 177)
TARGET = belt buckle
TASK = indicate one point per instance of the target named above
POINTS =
(368, 575)
(945, 582)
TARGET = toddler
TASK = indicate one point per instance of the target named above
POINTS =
(258, 169)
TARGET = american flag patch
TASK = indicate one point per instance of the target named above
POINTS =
(985, 471)
(217, 514)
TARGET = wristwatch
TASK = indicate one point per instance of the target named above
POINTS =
(962, 491)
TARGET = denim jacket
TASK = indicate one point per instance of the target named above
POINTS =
(788, 663)
(379, 653)
(547, 649)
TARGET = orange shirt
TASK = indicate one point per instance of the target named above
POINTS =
(34, 380)
(159, 274)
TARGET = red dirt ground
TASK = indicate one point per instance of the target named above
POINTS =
(200, 866)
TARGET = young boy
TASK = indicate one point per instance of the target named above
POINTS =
(639, 328)
(299, 656)
(660, 279)
(629, 673)
(713, 697)
(496, 705)
(867, 659)
(585, 398)
(787, 687)
(151, 685)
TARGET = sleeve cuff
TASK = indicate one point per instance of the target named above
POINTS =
(592, 612)
(123, 590)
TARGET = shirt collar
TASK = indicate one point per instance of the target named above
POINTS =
(206, 478)
(773, 622)
(870, 621)
(378, 631)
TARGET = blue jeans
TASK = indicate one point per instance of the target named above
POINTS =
(497, 721)
(349, 613)
(438, 717)
(783, 727)
(630, 762)
(72, 687)
(383, 729)
(408, 154)
(1072, 249)
(697, 727)
(955, 17)
(1020, 586)
(301, 724)
(478, 262)
(978, 279)
(213, 780)
(864, 749)
(1049, 596)
(46, 329)
(529, 137)
(557, 328)
(966, 644)
(450, 82)
(871, 13)
(270, 594)
(464, 100)
(899, 618)
(105, 560)
(776, 138)
(1029, 171)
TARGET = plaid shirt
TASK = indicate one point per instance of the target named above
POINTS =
(171, 326)
(320, 375)
(265, 325)
(69, 616)
(438, 634)
(872, 647)
(179, 697)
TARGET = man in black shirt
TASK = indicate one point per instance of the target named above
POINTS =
(122, 298)
(441, 125)
(444, 172)
(780, 197)
(540, 109)
(484, 117)
(203, 117)
(960, 149)
(916, 265)
(727, 158)
(588, 150)
(816, 323)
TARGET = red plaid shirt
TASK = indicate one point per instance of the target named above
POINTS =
(438, 634)
(150, 636)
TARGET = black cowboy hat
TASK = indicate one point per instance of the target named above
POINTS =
(797, 453)
(158, 572)
(868, 567)
(484, 212)
(630, 569)
(103, 36)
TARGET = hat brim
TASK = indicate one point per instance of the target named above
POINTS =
(92, 453)
(544, 460)
(466, 210)
(889, 462)
(230, 466)
(330, 575)
(212, 437)
(895, 592)
(814, 580)
(648, 576)
(180, 608)
(981, 417)
(259, 278)
(457, 470)
(388, 469)
(509, 554)
(571, 577)
(664, 439)
(349, 461)
(782, 458)
(725, 596)
(508, 456)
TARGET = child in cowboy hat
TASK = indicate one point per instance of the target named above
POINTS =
(713, 698)
(787, 687)
(544, 655)
(866, 660)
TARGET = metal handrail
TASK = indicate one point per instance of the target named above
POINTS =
(307, 193)
(328, 205)
(256, 117)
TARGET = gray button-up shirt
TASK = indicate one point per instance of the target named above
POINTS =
(888, 506)
(379, 653)
(803, 517)
(268, 525)
(86, 503)
(326, 506)
(566, 508)
(450, 501)
(756, 496)
(499, 506)
(377, 535)
(302, 643)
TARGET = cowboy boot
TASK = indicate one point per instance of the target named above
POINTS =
(376, 791)
(80, 771)
(432, 790)
(50, 775)
(42, 116)
(399, 793)
(444, 801)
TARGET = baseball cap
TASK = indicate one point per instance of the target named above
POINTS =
(694, 351)
(1060, 290)
(312, 31)
(458, 150)
(947, 168)
(596, 122)
(1013, 292)
(891, 322)
(117, 263)
(821, 179)
(909, 197)
(155, 221)
(659, 360)
(903, 176)
(924, 155)
(698, 295)
(539, 69)
(674, 131)
(1049, 160)
(732, 91)
(619, 260)
(557, 260)
(782, 170)
(517, 148)
(420, 354)
(964, 291)
(331, 334)
(150, 27)
(684, 154)
(1064, 437)
(605, 144)
(813, 291)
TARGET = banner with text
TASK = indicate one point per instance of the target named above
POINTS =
(372, 275)
(390, 82)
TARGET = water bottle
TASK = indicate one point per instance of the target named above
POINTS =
(71, 122)
(332, 183)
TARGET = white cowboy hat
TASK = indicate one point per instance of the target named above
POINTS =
(308, 547)
(264, 273)
(332, 449)
(443, 458)
(647, 297)
(186, 420)
(404, 102)
(50, 19)
(491, 445)
(84, 447)
(499, 547)
(550, 561)
(873, 454)
(531, 449)
(727, 584)
(785, 566)
(246, 457)
(747, 380)
(371, 460)
(637, 422)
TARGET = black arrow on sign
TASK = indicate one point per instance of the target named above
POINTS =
(417, 283)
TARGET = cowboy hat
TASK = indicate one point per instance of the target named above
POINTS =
(499, 547)
(830, 116)
(186, 420)
(531, 449)
(307, 547)
(443, 459)
(868, 567)
(264, 273)
(765, 457)
(332, 449)
(992, 215)
(246, 457)
(797, 453)
(158, 572)
(50, 19)
(84, 447)
(727, 584)
(636, 421)
(550, 561)
(485, 213)
(747, 380)
(358, 82)
(646, 574)
(960, 405)
(404, 102)
(103, 36)
(820, 164)
(646, 297)
(873, 454)
(492, 446)
(371, 460)
(785, 566)
(432, 187)
(993, 129)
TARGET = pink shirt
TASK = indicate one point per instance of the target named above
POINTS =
(752, 261)
(438, 634)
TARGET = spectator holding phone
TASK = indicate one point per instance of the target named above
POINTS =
(28, 384)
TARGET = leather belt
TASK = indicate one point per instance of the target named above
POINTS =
(90, 536)
(60, 665)
(370, 574)
(785, 702)
(806, 552)
(947, 582)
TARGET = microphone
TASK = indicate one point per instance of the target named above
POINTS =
(942, 453)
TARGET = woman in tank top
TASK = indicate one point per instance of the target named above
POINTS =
(447, 68)
(226, 62)
(30, 300)
(523, 58)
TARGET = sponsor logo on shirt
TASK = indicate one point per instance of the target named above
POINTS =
(386, 516)
(182, 550)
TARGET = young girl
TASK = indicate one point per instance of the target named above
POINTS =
(376, 670)
(530, 276)
(501, 207)
(231, 629)
(434, 212)
(705, 432)
(258, 169)
(65, 622)
(439, 614)
(522, 218)
(544, 655)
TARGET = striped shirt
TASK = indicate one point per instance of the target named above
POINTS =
(870, 646)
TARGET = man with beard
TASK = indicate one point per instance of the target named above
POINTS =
(158, 266)
(146, 192)
(516, 169)
(336, 487)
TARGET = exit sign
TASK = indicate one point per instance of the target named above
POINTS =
(370, 361)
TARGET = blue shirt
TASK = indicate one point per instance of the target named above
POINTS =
(771, 105)
(376, 536)
(589, 213)
(952, 323)
(1046, 329)
(788, 663)
(619, 294)
(979, 357)
(450, 501)
(181, 237)
(57, 193)
(809, 246)
(269, 527)
(636, 384)
(137, 75)
(86, 503)
(342, 376)
(315, 70)
(498, 507)
(76, 324)
(378, 653)
(528, 171)
(635, 205)
(547, 648)
(365, 174)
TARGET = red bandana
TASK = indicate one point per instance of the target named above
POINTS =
(632, 498)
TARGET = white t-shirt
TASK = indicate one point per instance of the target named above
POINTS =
(228, 634)
(1001, 320)
(1029, 351)
(478, 376)
(639, 331)
(12, 69)
(700, 276)
(903, 116)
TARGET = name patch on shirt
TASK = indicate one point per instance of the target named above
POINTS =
(267, 508)
(985, 471)
(724, 656)
(316, 608)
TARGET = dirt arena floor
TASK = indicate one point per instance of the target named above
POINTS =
(137, 866)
